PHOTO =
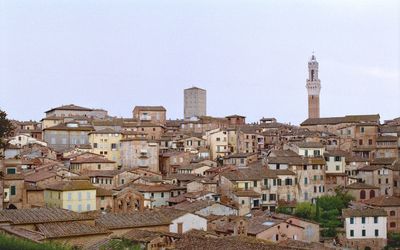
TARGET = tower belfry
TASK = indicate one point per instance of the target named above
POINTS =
(313, 88)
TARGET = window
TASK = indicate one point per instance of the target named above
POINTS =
(102, 198)
(316, 153)
(363, 220)
(13, 190)
(375, 219)
(392, 213)
(255, 183)
(265, 182)
(351, 220)
(264, 197)
(79, 207)
(288, 182)
(11, 170)
(363, 232)
(274, 182)
(392, 224)
(69, 207)
(351, 233)
(305, 196)
(360, 142)
(113, 146)
(162, 194)
(315, 189)
(152, 195)
(337, 158)
(69, 196)
(362, 129)
(315, 177)
(94, 145)
(242, 202)
(306, 152)
(79, 196)
(272, 197)
(279, 182)
(88, 195)
(376, 232)
(305, 181)
(99, 166)
(370, 142)
(362, 194)
(87, 207)
(337, 168)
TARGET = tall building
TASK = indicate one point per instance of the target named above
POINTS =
(313, 88)
(195, 102)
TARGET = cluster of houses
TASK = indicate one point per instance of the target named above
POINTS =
(85, 178)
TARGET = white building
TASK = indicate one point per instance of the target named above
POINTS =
(195, 102)
(365, 227)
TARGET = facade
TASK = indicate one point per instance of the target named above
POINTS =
(365, 227)
(73, 195)
(155, 114)
(313, 88)
(106, 142)
(140, 153)
(195, 102)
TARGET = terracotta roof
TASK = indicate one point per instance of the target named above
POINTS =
(40, 215)
(249, 174)
(105, 131)
(145, 236)
(359, 185)
(103, 192)
(103, 173)
(194, 206)
(133, 220)
(201, 242)
(342, 119)
(23, 233)
(150, 108)
(363, 212)
(387, 138)
(39, 176)
(235, 116)
(156, 188)
(247, 193)
(68, 229)
(383, 161)
(93, 159)
(70, 107)
(70, 185)
(309, 144)
(62, 126)
(384, 201)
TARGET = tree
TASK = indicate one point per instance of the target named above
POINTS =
(6, 128)
(305, 210)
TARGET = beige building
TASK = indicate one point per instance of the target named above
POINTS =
(140, 153)
(195, 102)
(155, 114)
(106, 142)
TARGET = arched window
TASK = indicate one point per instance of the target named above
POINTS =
(371, 194)
(392, 213)
(362, 195)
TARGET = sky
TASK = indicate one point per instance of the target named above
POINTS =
(251, 56)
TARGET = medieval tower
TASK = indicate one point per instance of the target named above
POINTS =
(313, 88)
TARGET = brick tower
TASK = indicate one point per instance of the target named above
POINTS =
(313, 88)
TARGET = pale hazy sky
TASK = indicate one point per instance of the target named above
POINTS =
(251, 56)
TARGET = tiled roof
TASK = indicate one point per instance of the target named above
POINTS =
(145, 236)
(150, 108)
(387, 138)
(342, 119)
(155, 188)
(249, 174)
(23, 233)
(194, 206)
(105, 131)
(70, 185)
(103, 173)
(68, 229)
(309, 145)
(384, 201)
(93, 159)
(103, 192)
(40, 215)
(359, 185)
(70, 107)
(39, 176)
(363, 212)
(62, 126)
(247, 193)
(133, 220)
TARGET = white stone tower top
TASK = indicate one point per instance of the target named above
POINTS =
(313, 83)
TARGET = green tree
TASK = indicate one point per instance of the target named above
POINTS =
(305, 210)
(6, 128)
